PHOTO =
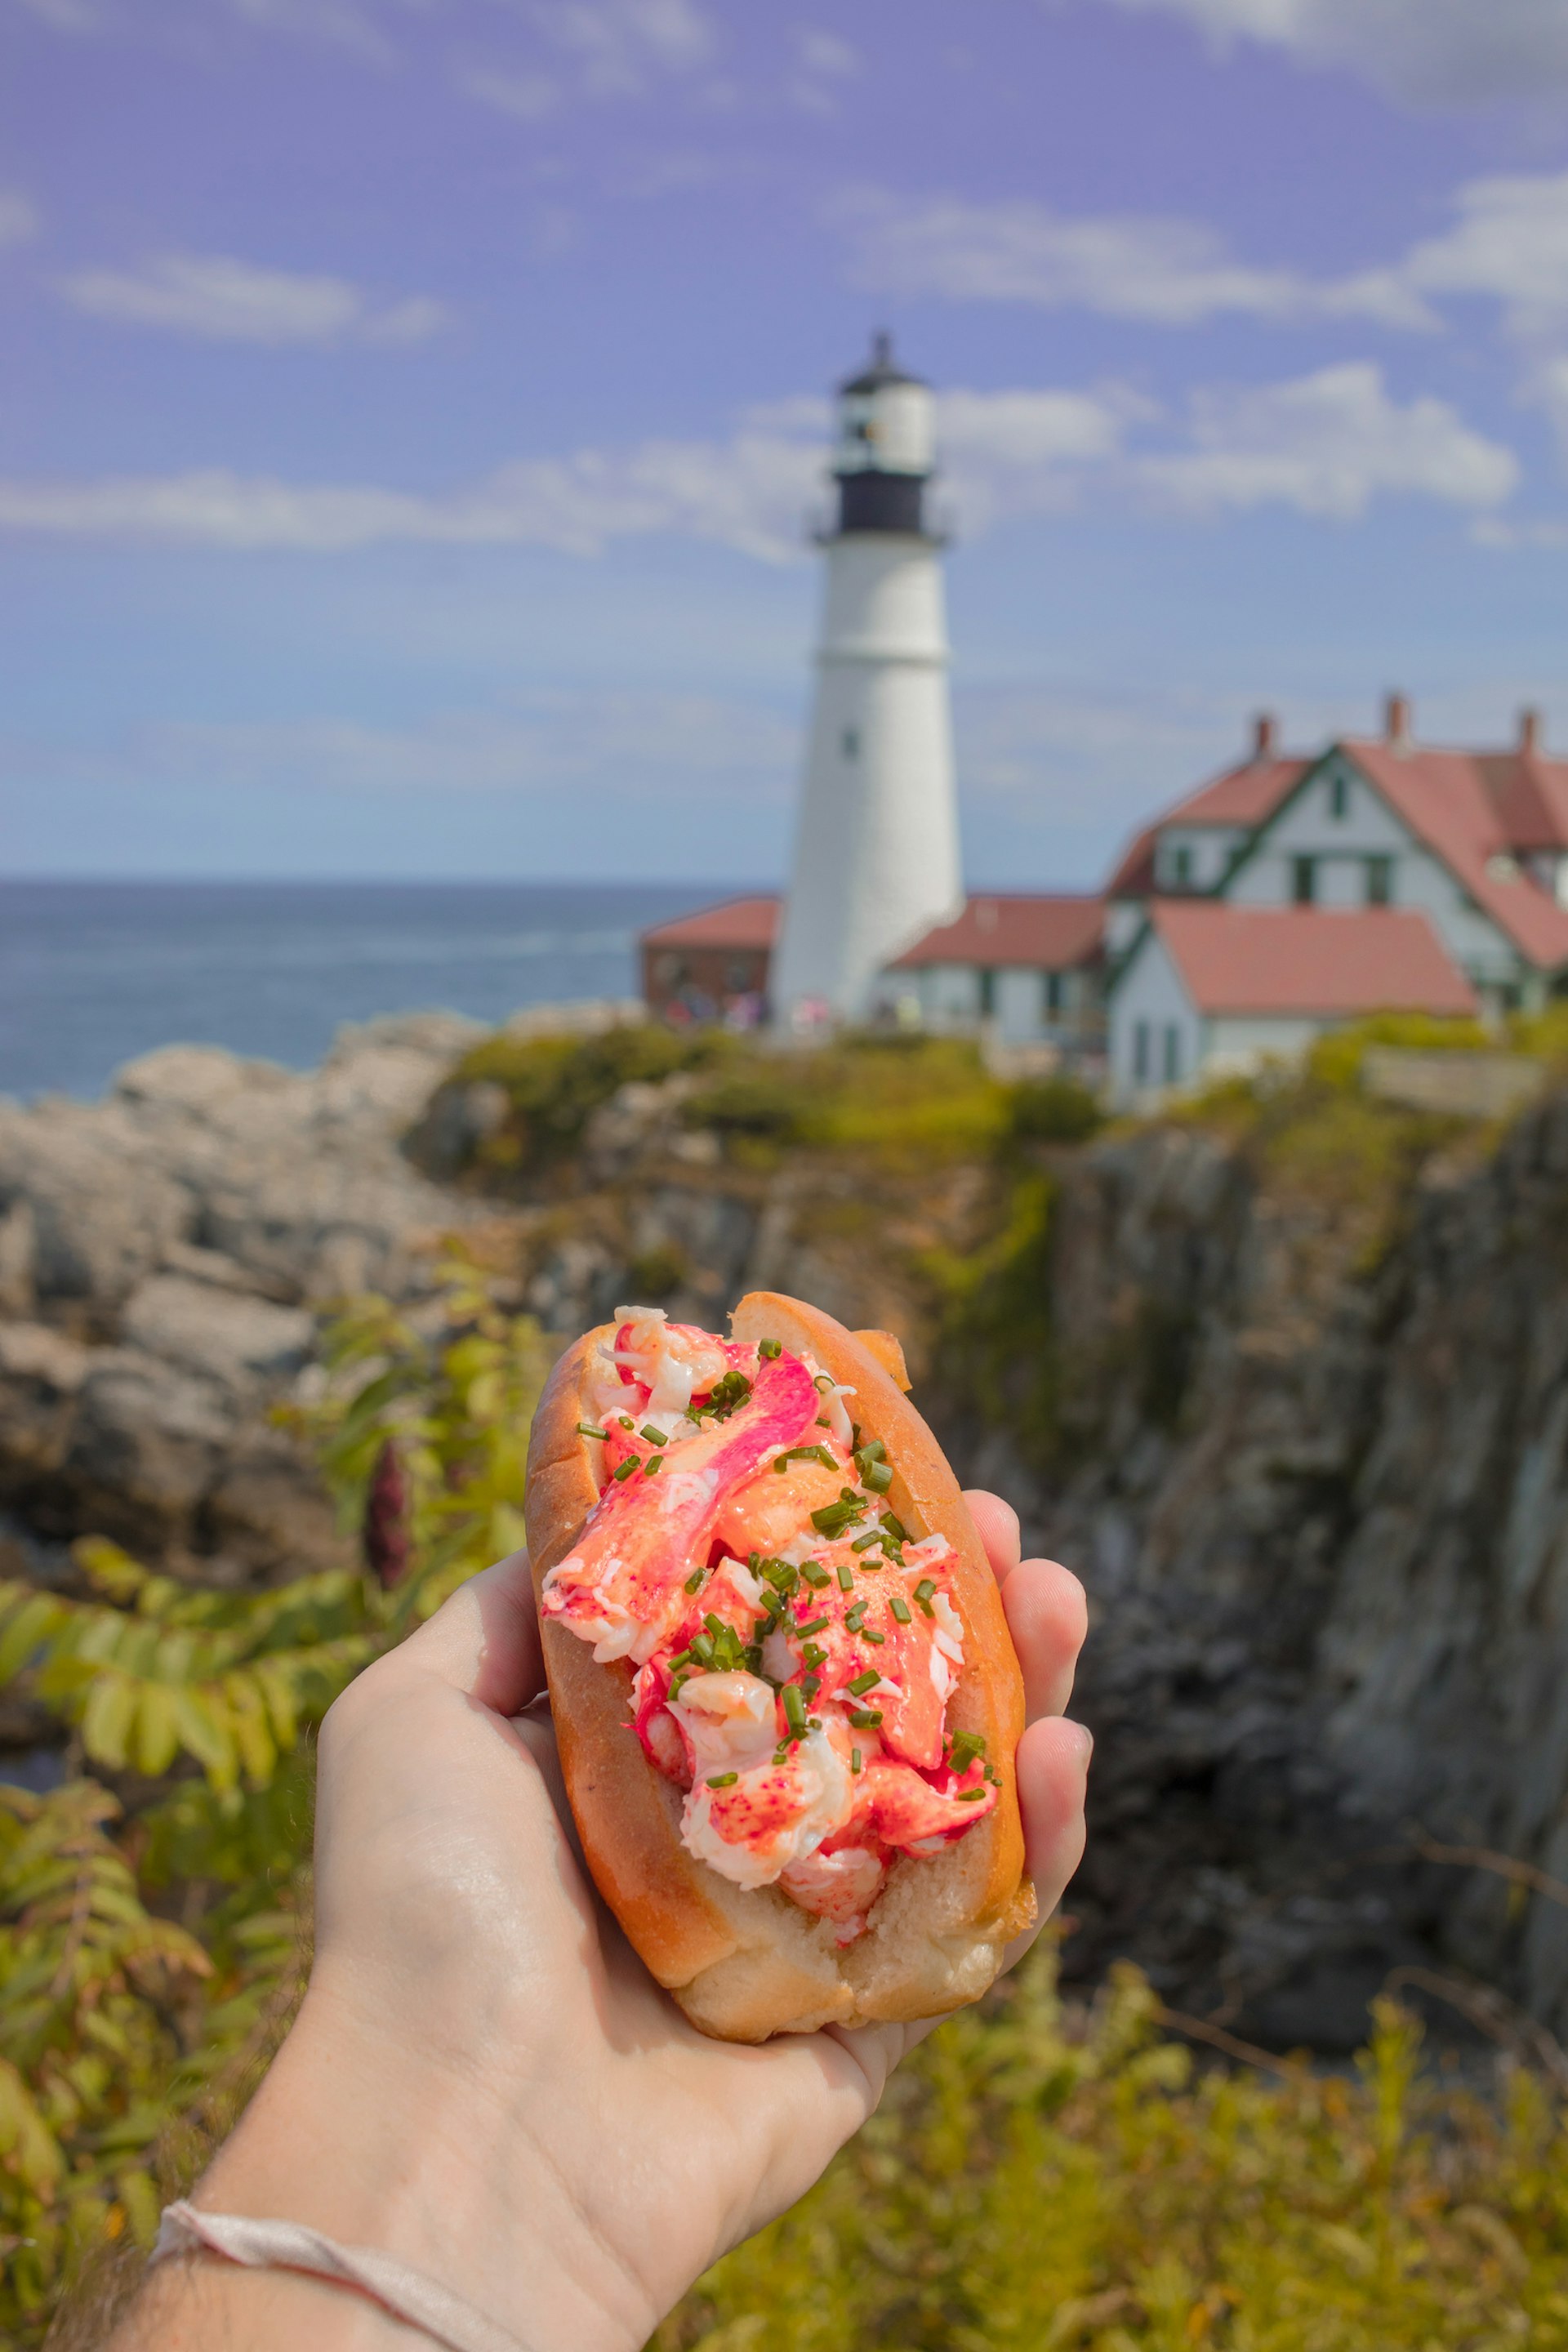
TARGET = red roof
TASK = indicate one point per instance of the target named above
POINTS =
(737, 923)
(1309, 959)
(1242, 796)
(1465, 806)
(1049, 933)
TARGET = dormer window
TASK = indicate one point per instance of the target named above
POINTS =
(1339, 795)
(1182, 867)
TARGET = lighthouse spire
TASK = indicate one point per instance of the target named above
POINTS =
(877, 853)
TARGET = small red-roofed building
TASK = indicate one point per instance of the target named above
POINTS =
(1210, 987)
(1027, 969)
(1194, 844)
(712, 965)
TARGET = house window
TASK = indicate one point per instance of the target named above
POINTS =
(1379, 881)
(1051, 993)
(1140, 1042)
(1172, 1053)
(1303, 880)
(1182, 867)
(852, 743)
(1338, 796)
(987, 991)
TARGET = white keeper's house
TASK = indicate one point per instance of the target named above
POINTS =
(1468, 849)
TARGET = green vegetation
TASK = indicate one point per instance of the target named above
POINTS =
(1037, 2182)
(154, 1921)
(890, 1097)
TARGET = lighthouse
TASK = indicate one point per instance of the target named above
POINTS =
(875, 855)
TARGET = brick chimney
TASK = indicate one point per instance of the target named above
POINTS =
(1529, 730)
(1396, 722)
(1265, 736)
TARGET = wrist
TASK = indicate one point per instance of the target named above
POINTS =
(375, 2143)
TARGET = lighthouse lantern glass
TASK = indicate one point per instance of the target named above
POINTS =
(888, 431)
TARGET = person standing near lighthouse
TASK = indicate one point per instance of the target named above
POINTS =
(877, 852)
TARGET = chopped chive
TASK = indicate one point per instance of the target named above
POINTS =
(781, 1755)
(966, 1747)
(624, 1470)
(722, 1780)
(770, 1350)
(810, 1687)
(878, 1478)
(586, 1429)
(846, 1577)
(715, 1626)
(865, 1719)
(816, 1626)
(855, 1617)
(864, 1543)
(900, 1608)
(625, 1420)
(863, 1683)
(813, 1655)
(702, 1649)
(823, 1421)
(815, 1575)
(654, 1462)
(969, 1796)
(854, 1760)
(895, 1527)
(993, 1775)
(925, 1592)
(867, 1635)
(694, 1582)
(782, 1464)
(654, 1436)
(822, 1382)
(794, 1708)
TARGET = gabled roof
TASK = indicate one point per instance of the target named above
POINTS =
(1052, 933)
(1241, 796)
(1307, 961)
(736, 923)
(1463, 805)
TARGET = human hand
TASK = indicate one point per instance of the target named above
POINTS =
(484, 2080)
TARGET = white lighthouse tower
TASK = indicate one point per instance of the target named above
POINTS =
(876, 857)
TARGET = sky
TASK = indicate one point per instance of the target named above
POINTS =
(412, 411)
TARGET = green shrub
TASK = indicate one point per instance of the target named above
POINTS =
(1054, 1110)
(1037, 2183)
(554, 1084)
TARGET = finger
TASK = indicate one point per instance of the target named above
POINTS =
(1053, 1773)
(996, 1524)
(1047, 1616)
(484, 1641)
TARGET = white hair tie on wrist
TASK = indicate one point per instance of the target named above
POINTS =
(407, 2294)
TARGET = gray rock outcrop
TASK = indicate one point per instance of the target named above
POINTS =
(164, 1258)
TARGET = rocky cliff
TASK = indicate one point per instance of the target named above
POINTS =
(1305, 1438)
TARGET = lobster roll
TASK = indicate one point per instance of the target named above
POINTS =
(785, 1696)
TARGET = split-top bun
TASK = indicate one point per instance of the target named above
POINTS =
(745, 1963)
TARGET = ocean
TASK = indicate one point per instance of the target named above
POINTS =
(92, 974)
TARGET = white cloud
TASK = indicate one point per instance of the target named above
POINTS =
(827, 53)
(528, 96)
(18, 217)
(1462, 52)
(693, 746)
(1328, 443)
(1510, 242)
(617, 43)
(224, 300)
(1171, 272)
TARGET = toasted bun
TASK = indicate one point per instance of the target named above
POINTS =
(746, 1963)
